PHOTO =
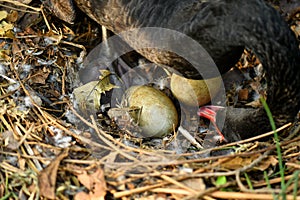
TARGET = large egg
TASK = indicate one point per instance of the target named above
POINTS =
(194, 92)
(158, 115)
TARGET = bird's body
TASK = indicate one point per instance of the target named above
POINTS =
(224, 28)
(184, 16)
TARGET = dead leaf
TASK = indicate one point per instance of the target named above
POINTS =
(82, 195)
(85, 96)
(5, 54)
(238, 162)
(95, 183)
(12, 16)
(243, 94)
(40, 76)
(6, 26)
(193, 183)
(271, 160)
(234, 163)
(3, 14)
(88, 96)
(9, 140)
(47, 177)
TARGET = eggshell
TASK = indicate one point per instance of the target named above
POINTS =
(194, 92)
(158, 115)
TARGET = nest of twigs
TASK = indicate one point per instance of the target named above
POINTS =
(50, 151)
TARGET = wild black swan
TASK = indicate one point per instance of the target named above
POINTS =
(224, 28)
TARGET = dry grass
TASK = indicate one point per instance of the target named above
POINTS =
(45, 154)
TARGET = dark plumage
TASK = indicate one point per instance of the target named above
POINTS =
(224, 28)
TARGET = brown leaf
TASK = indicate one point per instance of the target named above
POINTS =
(239, 162)
(95, 183)
(15, 48)
(9, 140)
(271, 160)
(193, 183)
(243, 94)
(5, 54)
(47, 177)
(12, 16)
(82, 195)
(40, 76)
